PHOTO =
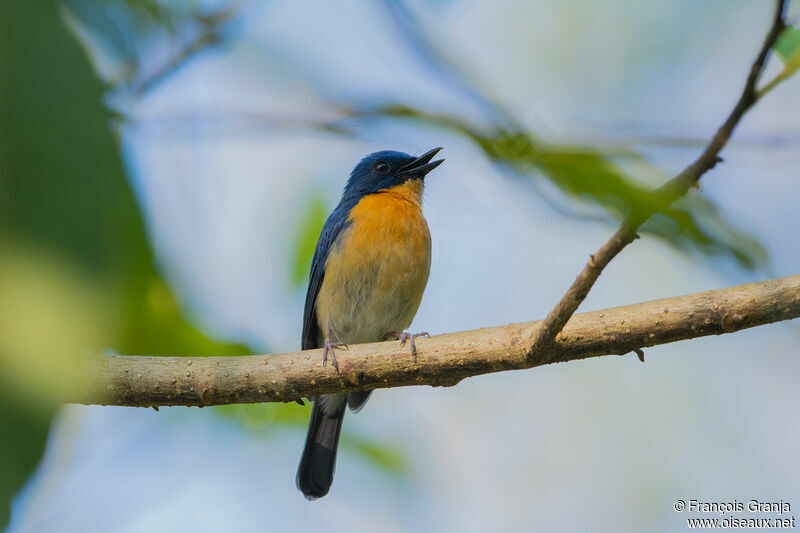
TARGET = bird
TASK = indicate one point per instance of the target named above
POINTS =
(368, 274)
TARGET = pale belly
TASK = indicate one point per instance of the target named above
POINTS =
(375, 277)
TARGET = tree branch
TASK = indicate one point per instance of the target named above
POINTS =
(444, 360)
(664, 196)
(209, 34)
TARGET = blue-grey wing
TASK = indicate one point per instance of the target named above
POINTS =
(333, 227)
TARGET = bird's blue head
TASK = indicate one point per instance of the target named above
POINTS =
(387, 169)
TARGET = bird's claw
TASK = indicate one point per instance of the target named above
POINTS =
(328, 348)
(404, 336)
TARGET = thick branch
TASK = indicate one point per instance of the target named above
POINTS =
(444, 360)
(664, 196)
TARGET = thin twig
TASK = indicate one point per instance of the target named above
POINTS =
(210, 34)
(664, 196)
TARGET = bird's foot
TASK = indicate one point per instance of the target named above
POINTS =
(328, 349)
(404, 336)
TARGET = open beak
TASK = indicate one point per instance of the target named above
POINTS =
(421, 165)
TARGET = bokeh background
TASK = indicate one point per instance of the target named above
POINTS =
(165, 169)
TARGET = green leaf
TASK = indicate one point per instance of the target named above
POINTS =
(76, 271)
(388, 457)
(309, 226)
(260, 417)
(788, 49)
(591, 176)
(24, 436)
(788, 43)
(263, 418)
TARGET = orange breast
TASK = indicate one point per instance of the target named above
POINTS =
(391, 218)
(376, 273)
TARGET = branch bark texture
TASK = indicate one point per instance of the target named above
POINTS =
(663, 197)
(444, 360)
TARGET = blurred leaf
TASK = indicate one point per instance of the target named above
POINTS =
(385, 456)
(693, 223)
(704, 230)
(77, 272)
(43, 340)
(312, 218)
(581, 172)
(120, 35)
(24, 433)
(154, 9)
(50, 317)
(98, 19)
(788, 49)
(788, 43)
(263, 418)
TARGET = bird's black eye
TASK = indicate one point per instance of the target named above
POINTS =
(381, 167)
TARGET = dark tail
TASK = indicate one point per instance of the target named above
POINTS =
(315, 473)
